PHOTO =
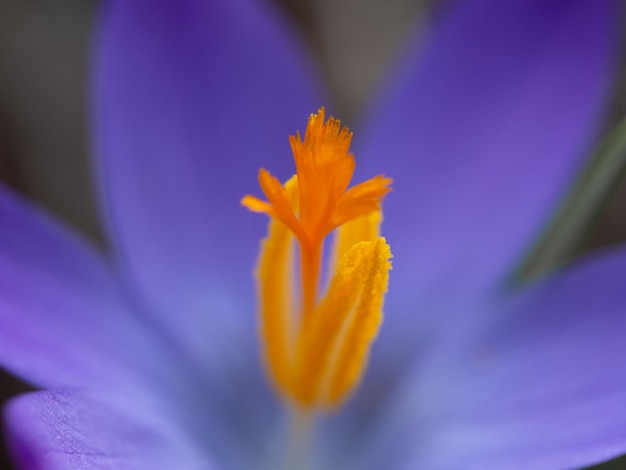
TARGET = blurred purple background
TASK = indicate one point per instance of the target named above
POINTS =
(44, 56)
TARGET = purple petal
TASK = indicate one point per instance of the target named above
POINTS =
(74, 430)
(62, 321)
(193, 97)
(482, 132)
(545, 387)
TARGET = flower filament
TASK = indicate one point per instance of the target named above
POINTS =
(316, 351)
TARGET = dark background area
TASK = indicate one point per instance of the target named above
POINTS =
(44, 56)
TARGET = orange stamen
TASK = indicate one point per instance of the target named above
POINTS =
(316, 357)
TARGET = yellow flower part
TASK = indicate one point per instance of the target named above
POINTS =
(316, 346)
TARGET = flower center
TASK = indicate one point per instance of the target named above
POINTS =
(316, 349)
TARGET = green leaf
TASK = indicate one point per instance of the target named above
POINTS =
(575, 216)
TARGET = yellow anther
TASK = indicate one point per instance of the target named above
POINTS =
(316, 353)
(275, 290)
(332, 353)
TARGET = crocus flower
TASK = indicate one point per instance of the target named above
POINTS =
(152, 361)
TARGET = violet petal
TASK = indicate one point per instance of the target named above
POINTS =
(63, 430)
(192, 98)
(544, 387)
(484, 128)
(62, 319)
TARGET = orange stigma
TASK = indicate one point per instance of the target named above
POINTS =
(316, 349)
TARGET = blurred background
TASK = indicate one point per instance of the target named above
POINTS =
(44, 133)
